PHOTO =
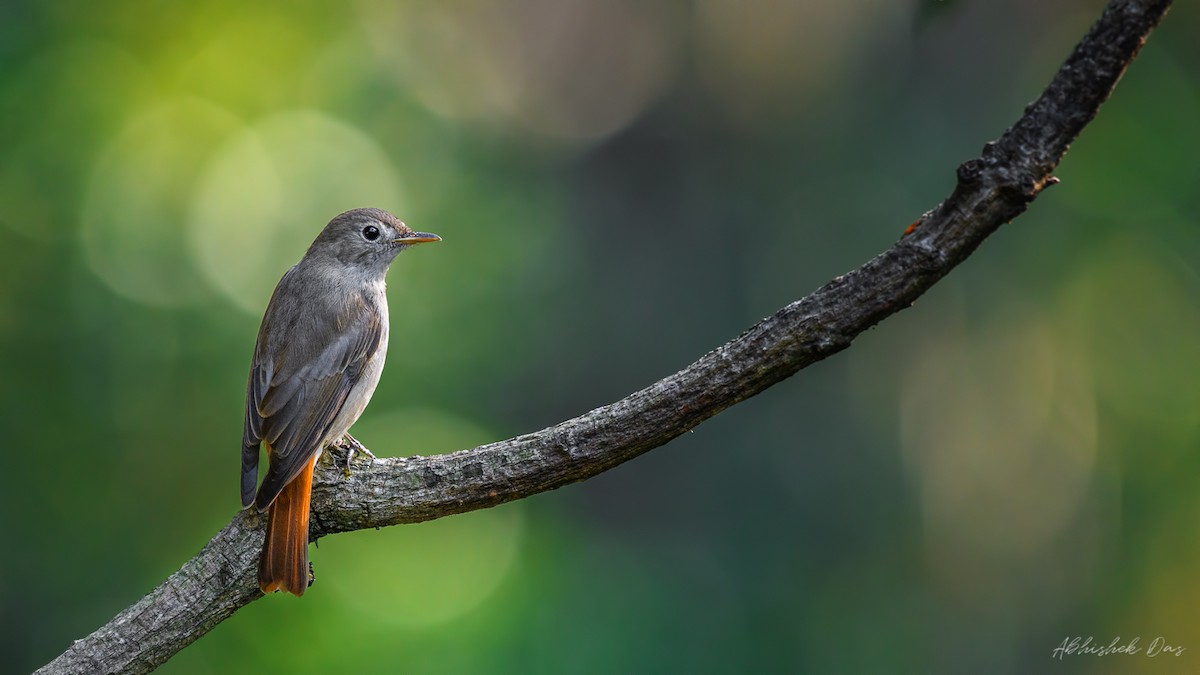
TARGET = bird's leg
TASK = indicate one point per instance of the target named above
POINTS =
(353, 447)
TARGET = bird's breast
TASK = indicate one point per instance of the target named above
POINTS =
(362, 390)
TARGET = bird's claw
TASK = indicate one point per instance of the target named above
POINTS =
(353, 447)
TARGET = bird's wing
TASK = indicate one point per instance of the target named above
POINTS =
(294, 394)
(252, 435)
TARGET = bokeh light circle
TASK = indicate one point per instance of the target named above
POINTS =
(269, 191)
(569, 70)
(428, 573)
(134, 215)
(999, 432)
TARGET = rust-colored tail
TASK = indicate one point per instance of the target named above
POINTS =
(284, 561)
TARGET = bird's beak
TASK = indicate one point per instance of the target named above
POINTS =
(417, 238)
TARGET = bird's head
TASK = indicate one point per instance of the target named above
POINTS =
(365, 240)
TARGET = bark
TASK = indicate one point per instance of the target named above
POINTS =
(991, 190)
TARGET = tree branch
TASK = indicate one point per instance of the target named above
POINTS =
(991, 190)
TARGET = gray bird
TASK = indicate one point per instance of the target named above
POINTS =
(319, 355)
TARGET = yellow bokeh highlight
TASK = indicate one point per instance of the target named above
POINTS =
(1128, 306)
(134, 218)
(249, 60)
(429, 573)
(425, 574)
(999, 434)
(509, 64)
(271, 188)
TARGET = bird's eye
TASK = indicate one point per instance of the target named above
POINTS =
(371, 233)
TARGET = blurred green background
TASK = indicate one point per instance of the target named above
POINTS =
(621, 186)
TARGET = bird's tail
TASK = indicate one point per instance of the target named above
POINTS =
(284, 561)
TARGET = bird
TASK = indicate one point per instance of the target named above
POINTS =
(317, 360)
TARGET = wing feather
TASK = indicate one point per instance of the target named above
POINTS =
(294, 397)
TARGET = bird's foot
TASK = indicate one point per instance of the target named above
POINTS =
(353, 447)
